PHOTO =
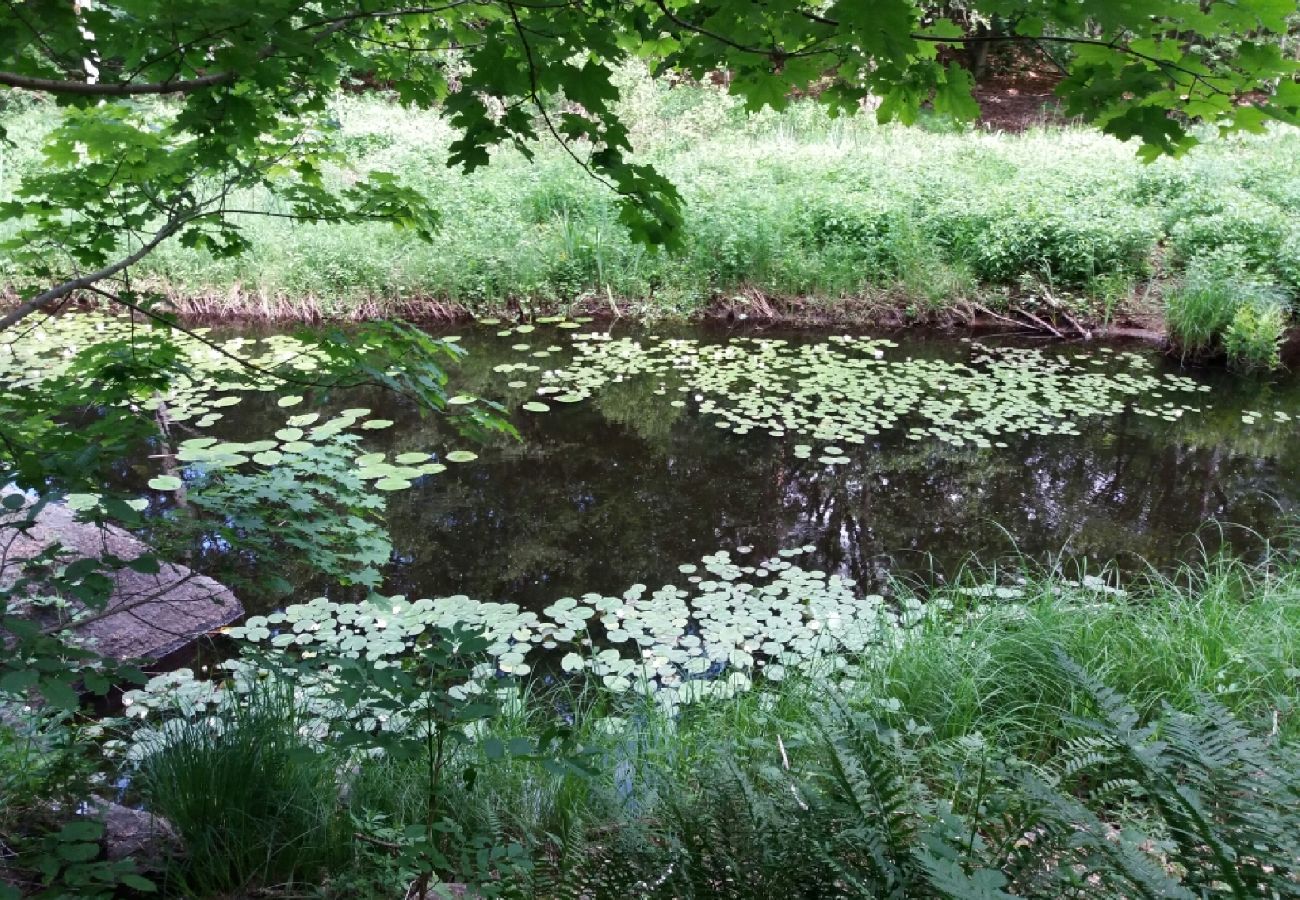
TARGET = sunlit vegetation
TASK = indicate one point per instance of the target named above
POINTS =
(952, 734)
(651, 563)
(793, 214)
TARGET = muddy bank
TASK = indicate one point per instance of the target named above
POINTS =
(887, 310)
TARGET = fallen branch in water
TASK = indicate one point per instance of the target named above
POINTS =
(1039, 322)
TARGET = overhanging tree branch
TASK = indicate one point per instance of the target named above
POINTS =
(59, 291)
(120, 89)
(204, 82)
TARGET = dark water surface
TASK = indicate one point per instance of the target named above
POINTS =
(624, 488)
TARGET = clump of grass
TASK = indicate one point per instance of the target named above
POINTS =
(254, 802)
(1223, 305)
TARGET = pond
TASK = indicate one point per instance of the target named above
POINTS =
(686, 501)
(622, 475)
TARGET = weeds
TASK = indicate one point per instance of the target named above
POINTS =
(254, 802)
(836, 213)
(987, 753)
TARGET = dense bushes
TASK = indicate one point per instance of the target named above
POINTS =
(1254, 227)
(1067, 244)
(1224, 304)
(790, 204)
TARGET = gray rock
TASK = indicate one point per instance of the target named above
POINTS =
(448, 890)
(135, 834)
(147, 616)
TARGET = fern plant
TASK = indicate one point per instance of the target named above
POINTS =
(1228, 801)
(1170, 804)
(1184, 805)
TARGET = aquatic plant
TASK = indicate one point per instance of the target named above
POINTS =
(846, 783)
(1253, 339)
(848, 388)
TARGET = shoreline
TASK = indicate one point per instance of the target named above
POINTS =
(886, 310)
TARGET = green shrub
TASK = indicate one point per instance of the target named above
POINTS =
(1069, 244)
(853, 220)
(1255, 227)
(1163, 185)
(1288, 261)
(1221, 293)
(1253, 339)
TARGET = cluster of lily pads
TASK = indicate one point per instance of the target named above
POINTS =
(212, 379)
(848, 389)
(730, 621)
(728, 617)
(216, 375)
(730, 625)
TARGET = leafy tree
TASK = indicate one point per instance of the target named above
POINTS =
(244, 90)
(174, 110)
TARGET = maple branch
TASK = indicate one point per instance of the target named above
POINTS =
(541, 107)
(125, 89)
(59, 291)
(201, 82)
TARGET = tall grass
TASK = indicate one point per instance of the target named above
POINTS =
(253, 801)
(1226, 302)
(849, 217)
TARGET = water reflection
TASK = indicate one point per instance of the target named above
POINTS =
(625, 488)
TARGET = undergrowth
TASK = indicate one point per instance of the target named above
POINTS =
(850, 218)
(1064, 744)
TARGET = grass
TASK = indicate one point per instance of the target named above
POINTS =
(253, 803)
(806, 787)
(1226, 304)
(790, 215)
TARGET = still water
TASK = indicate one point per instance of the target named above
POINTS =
(625, 487)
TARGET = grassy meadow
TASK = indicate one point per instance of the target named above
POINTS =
(793, 215)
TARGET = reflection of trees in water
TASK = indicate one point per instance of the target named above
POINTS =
(625, 487)
(586, 504)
